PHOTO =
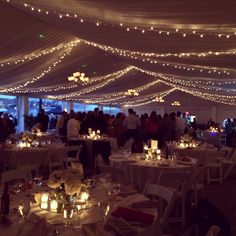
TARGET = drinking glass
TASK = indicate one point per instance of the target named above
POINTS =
(68, 212)
(104, 209)
(23, 211)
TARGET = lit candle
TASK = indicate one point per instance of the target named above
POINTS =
(21, 208)
(182, 145)
(84, 196)
(154, 144)
(44, 197)
(44, 205)
(53, 205)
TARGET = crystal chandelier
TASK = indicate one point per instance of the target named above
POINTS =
(175, 103)
(131, 93)
(79, 77)
(160, 99)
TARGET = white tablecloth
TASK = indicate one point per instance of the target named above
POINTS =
(138, 172)
(11, 158)
(91, 216)
(202, 154)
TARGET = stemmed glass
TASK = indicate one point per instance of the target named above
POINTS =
(104, 209)
(68, 212)
(23, 211)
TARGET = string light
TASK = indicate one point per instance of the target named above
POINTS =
(36, 55)
(113, 76)
(39, 77)
(200, 32)
(146, 57)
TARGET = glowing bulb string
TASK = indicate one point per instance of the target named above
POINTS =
(35, 55)
(200, 33)
(61, 88)
(174, 80)
(178, 66)
(225, 99)
(95, 87)
(42, 75)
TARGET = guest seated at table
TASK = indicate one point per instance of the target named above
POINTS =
(73, 126)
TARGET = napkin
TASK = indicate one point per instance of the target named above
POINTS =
(120, 227)
(91, 215)
(145, 204)
(133, 215)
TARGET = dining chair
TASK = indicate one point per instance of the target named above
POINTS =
(213, 231)
(214, 169)
(55, 158)
(228, 164)
(17, 174)
(69, 150)
(197, 179)
(166, 196)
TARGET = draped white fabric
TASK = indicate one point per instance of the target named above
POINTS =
(191, 46)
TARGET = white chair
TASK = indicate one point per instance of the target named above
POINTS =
(18, 174)
(228, 164)
(213, 231)
(166, 196)
(197, 179)
(214, 169)
(55, 158)
(74, 149)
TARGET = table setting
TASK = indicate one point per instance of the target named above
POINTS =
(68, 205)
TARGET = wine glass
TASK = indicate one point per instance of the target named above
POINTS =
(23, 210)
(68, 212)
(104, 209)
(116, 188)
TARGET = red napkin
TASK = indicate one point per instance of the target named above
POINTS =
(132, 215)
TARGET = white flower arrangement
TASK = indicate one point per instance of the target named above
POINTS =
(71, 179)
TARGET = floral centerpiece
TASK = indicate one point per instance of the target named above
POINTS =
(66, 183)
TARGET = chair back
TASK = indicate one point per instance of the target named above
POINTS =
(71, 150)
(168, 195)
(18, 174)
(128, 144)
(213, 231)
(226, 152)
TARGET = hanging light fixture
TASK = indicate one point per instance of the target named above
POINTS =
(132, 93)
(175, 103)
(160, 99)
(78, 76)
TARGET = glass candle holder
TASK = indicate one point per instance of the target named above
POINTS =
(68, 212)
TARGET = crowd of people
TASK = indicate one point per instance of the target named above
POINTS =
(169, 127)
(141, 128)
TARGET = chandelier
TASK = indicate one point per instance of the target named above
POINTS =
(79, 77)
(131, 93)
(160, 99)
(175, 103)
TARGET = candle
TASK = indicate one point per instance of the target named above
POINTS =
(53, 205)
(154, 144)
(44, 205)
(21, 208)
(84, 196)
(182, 145)
(158, 151)
(44, 197)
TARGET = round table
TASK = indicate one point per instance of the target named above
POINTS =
(139, 172)
(11, 158)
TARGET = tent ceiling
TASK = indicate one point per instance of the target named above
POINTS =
(160, 48)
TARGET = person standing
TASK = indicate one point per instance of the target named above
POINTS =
(180, 124)
(73, 127)
(131, 125)
(43, 120)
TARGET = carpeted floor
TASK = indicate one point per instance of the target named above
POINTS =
(223, 197)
